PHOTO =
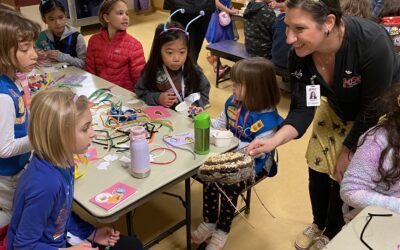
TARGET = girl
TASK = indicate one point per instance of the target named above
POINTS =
(60, 126)
(170, 74)
(217, 33)
(249, 113)
(17, 53)
(373, 175)
(112, 53)
(60, 41)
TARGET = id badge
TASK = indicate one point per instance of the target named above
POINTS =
(313, 95)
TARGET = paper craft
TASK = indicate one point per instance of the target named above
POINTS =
(157, 112)
(73, 79)
(103, 166)
(179, 139)
(113, 195)
(91, 154)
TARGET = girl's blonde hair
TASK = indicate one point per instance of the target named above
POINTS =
(360, 8)
(14, 29)
(54, 115)
(257, 75)
(105, 8)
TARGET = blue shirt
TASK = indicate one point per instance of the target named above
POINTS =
(12, 165)
(42, 209)
(248, 125)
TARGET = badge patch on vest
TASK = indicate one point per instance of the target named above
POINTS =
(256, 126)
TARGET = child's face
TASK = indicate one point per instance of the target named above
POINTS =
(174, 54)
(84, 133)
(238, 91)
(26, 56)
(55, 21)
(118, 18)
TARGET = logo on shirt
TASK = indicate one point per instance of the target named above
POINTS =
(351, 80)
(256, 126)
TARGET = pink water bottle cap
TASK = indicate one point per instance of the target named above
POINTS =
(138, 132)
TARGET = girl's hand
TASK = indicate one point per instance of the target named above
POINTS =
(167, 99)
(258, 146)
(106, 236)
(42, 55)
(194, 110)
(52, 54)
(234, 11)
(342, 163)
(81, 246)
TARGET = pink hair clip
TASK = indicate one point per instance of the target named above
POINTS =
(76, 97)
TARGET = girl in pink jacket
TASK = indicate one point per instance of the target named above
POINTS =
(112, 53)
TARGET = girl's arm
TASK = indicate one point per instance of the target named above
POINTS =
(36, 211)
(136, 62)
(9, 146)
(78, 61)
(222, 7)
(90, 65)
(357, 187)
(219, 122)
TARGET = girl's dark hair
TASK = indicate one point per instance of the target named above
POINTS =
(361, 8)
(389, 8)
(319, 9)
(174, 32)
(47, 6)
(257, 75)
(389, 104)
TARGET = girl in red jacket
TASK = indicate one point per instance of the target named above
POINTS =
(170, 74)
(112, 53)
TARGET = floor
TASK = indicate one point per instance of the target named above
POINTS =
(284, 195)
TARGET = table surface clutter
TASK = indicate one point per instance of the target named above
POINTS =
(382, 231)
(105, 168)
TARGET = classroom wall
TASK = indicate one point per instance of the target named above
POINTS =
(158, 4)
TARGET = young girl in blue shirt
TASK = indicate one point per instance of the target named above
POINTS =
(249, 113)
(60, 126)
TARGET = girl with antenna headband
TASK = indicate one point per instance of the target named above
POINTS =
(170, 74)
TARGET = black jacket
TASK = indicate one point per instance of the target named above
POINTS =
(190, 6)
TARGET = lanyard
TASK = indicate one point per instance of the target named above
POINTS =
(180, 98)
(237, 134)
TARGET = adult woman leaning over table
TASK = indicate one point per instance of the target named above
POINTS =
(350, 61)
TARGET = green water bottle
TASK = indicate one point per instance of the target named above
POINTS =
(202, 133)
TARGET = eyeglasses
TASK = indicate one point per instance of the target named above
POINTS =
(366, 224)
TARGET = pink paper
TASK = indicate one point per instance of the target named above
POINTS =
(113, 195)
(157, 112)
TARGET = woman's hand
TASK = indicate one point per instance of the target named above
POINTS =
(342, 163)
(167, 99)
(258, 146)
(106, 236)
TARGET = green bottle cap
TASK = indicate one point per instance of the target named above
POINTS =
(202, 120)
